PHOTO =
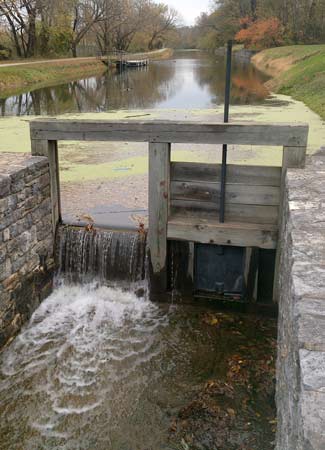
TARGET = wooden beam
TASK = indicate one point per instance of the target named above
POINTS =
(213, 232)
(207, 173)
(50, 150)
(235, 193)
(294, 157)
(245, 133)
(39, 147)
(159, 182)
(234, 213)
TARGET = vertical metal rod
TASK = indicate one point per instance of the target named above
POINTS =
(225, 147)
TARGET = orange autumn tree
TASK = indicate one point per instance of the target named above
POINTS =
(262, 33)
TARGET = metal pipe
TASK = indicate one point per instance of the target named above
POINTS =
(225, 147)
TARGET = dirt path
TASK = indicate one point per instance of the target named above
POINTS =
(46, 61)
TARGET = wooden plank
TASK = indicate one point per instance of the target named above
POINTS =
(235, 193)
(39, 147)
(234, 213)
(294, 157)
(55, 183)
(207, 173)
(209, 232)
(159, 171)
(245, 133)
(50, 149)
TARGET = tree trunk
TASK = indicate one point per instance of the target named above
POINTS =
(74, 49)
(15, 37)
(31, 44)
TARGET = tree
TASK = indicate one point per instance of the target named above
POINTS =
(161, 19)
(21, 18)
(85, 14)
(261, 34)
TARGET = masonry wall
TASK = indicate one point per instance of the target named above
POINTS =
(26, 240)
(301, 350)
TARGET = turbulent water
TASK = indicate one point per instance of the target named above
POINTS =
(99, 368)
(75, 375)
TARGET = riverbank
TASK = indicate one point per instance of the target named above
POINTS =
(16, 76)
(16, 79)
(298, 71)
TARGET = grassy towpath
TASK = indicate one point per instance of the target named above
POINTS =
(17, 76)
(298, 71)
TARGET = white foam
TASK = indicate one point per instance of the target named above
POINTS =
(79, 342)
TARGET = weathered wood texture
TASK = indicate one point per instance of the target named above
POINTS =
(211, 173)
(171, 131)
(233, 213)
(50, 149)
(235, 194)
(252, 192)
(159, 182)
(213, 232)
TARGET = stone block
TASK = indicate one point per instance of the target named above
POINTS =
(4, 185)
(312, 427)
(310, 320)
(5, 269)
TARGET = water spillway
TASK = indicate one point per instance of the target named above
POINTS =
(110, 256)
(100, 367)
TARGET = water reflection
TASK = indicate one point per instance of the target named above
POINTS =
(189, 80)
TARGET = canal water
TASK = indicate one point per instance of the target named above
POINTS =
(102, 368)
(188, 80)
(99, 368)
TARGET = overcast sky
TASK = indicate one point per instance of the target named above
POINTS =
(189, 9)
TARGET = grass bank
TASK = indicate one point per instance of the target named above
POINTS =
(298, 71)
(17, 76)
(17, 79)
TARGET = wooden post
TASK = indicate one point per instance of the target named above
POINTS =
(293, 158)
(159, 193)
(50, 149)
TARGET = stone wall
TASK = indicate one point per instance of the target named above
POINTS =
(26, 239)
(301, 351)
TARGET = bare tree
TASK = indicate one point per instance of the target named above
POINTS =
(161, 19)
(21, 17)
(86, 13)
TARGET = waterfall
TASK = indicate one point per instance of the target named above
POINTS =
(110, 256)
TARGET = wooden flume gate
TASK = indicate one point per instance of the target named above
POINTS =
(184, 198)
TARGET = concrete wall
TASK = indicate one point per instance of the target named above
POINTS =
(26, 239)
(301, 351)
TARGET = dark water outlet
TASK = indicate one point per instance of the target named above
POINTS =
(220, 269)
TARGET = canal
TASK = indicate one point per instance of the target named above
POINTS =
(188, 80)
(99, 367)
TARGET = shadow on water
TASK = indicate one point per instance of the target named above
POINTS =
(189, 80)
